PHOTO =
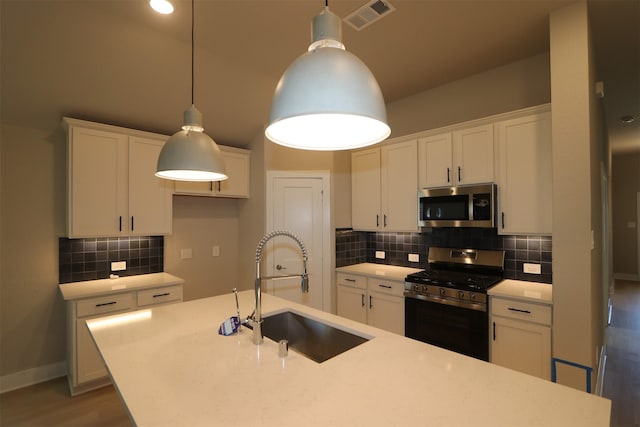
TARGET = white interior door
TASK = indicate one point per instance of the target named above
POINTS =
(297, 204)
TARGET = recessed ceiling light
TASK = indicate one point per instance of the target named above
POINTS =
(627, 119)
(161, 6)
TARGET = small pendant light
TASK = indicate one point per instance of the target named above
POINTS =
(327, 99)
(190, 154)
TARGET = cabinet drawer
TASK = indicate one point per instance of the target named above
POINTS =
(353, 280)
(160, 295)
(386, 287)
(536, 313)
(105, 304)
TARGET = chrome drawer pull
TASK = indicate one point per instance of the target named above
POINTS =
(385, 286)
(162, 295)
(106, 303)
(350, 280)
(519, 311)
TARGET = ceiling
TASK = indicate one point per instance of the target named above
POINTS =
(118, 62)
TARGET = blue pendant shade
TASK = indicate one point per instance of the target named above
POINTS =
(190, 154)
(327, 99)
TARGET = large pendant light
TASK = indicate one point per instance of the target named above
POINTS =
(190, 154)
(327, 99)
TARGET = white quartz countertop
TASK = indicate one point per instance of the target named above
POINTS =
(172, 368)
(92, 288)
(391, 272)
(527, 291)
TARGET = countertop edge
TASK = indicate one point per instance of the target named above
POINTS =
(93, 288)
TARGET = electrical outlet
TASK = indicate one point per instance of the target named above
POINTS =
(380, 254)
(414, 258)
(119, 266)
(215, 251)
(531, 268)
(186, 253)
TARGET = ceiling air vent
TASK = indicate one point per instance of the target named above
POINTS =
(368, 14)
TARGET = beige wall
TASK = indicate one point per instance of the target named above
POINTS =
(625, 182)
(577, 157)
(199, 223)
(511, 87)
(32, 193)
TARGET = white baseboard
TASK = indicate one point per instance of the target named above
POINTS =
(602, 369)
(32, 376)
(622, 276)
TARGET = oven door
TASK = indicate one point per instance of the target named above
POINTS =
(457, 329)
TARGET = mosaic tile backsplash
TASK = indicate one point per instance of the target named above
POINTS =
(91, 258)
(353, 247)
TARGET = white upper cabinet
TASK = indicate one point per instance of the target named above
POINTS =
(111, 186)
(525, 175)
(150, 204)
(237, 162)
(384, 188)
(460, 157)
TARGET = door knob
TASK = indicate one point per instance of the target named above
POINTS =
(279, 267)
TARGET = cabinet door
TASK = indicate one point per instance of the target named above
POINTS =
(399, 166)
(351, 303)
(365, 190)
(194, 188)
(149, 196)
(386, 312)
(435, 156)
(473, 155)
(521, 346)
(237, 164)
(95, 194)
(525, 175)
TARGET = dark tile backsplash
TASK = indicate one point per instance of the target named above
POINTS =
(353, 247)
(91, 258)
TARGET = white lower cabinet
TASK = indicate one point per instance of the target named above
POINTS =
(376, 302)
(86, 370)
(521, 336)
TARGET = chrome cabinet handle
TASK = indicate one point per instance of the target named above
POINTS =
(385, 220)
(348, 280)
(384, 286)
(448, 173)
(494, 331)
(120, 222)
(370, 301)
(459, 177)
(377, 220)
(132, 223)
(502, 219)
(279, 267)
(362, 295)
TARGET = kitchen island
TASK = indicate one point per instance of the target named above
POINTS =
(172, 368)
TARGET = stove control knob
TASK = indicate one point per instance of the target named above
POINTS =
(472, 296)
(460, 294)
(416, 288)
(442, 291)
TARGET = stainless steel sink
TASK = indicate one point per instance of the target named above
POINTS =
(316, 340)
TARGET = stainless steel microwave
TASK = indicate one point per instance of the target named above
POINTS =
(471, 206)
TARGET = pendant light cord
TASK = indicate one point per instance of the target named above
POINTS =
(192, 50)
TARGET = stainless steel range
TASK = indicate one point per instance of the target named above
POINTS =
(446, 304)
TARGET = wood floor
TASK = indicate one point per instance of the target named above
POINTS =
(49, 404)
(622, 374)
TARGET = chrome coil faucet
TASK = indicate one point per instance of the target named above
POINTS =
(255, 319)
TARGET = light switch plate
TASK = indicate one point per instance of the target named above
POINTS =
(119, 266)
(380, 254)
(531, 268)
(215, 251)
(186, 253)
(414, 258)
